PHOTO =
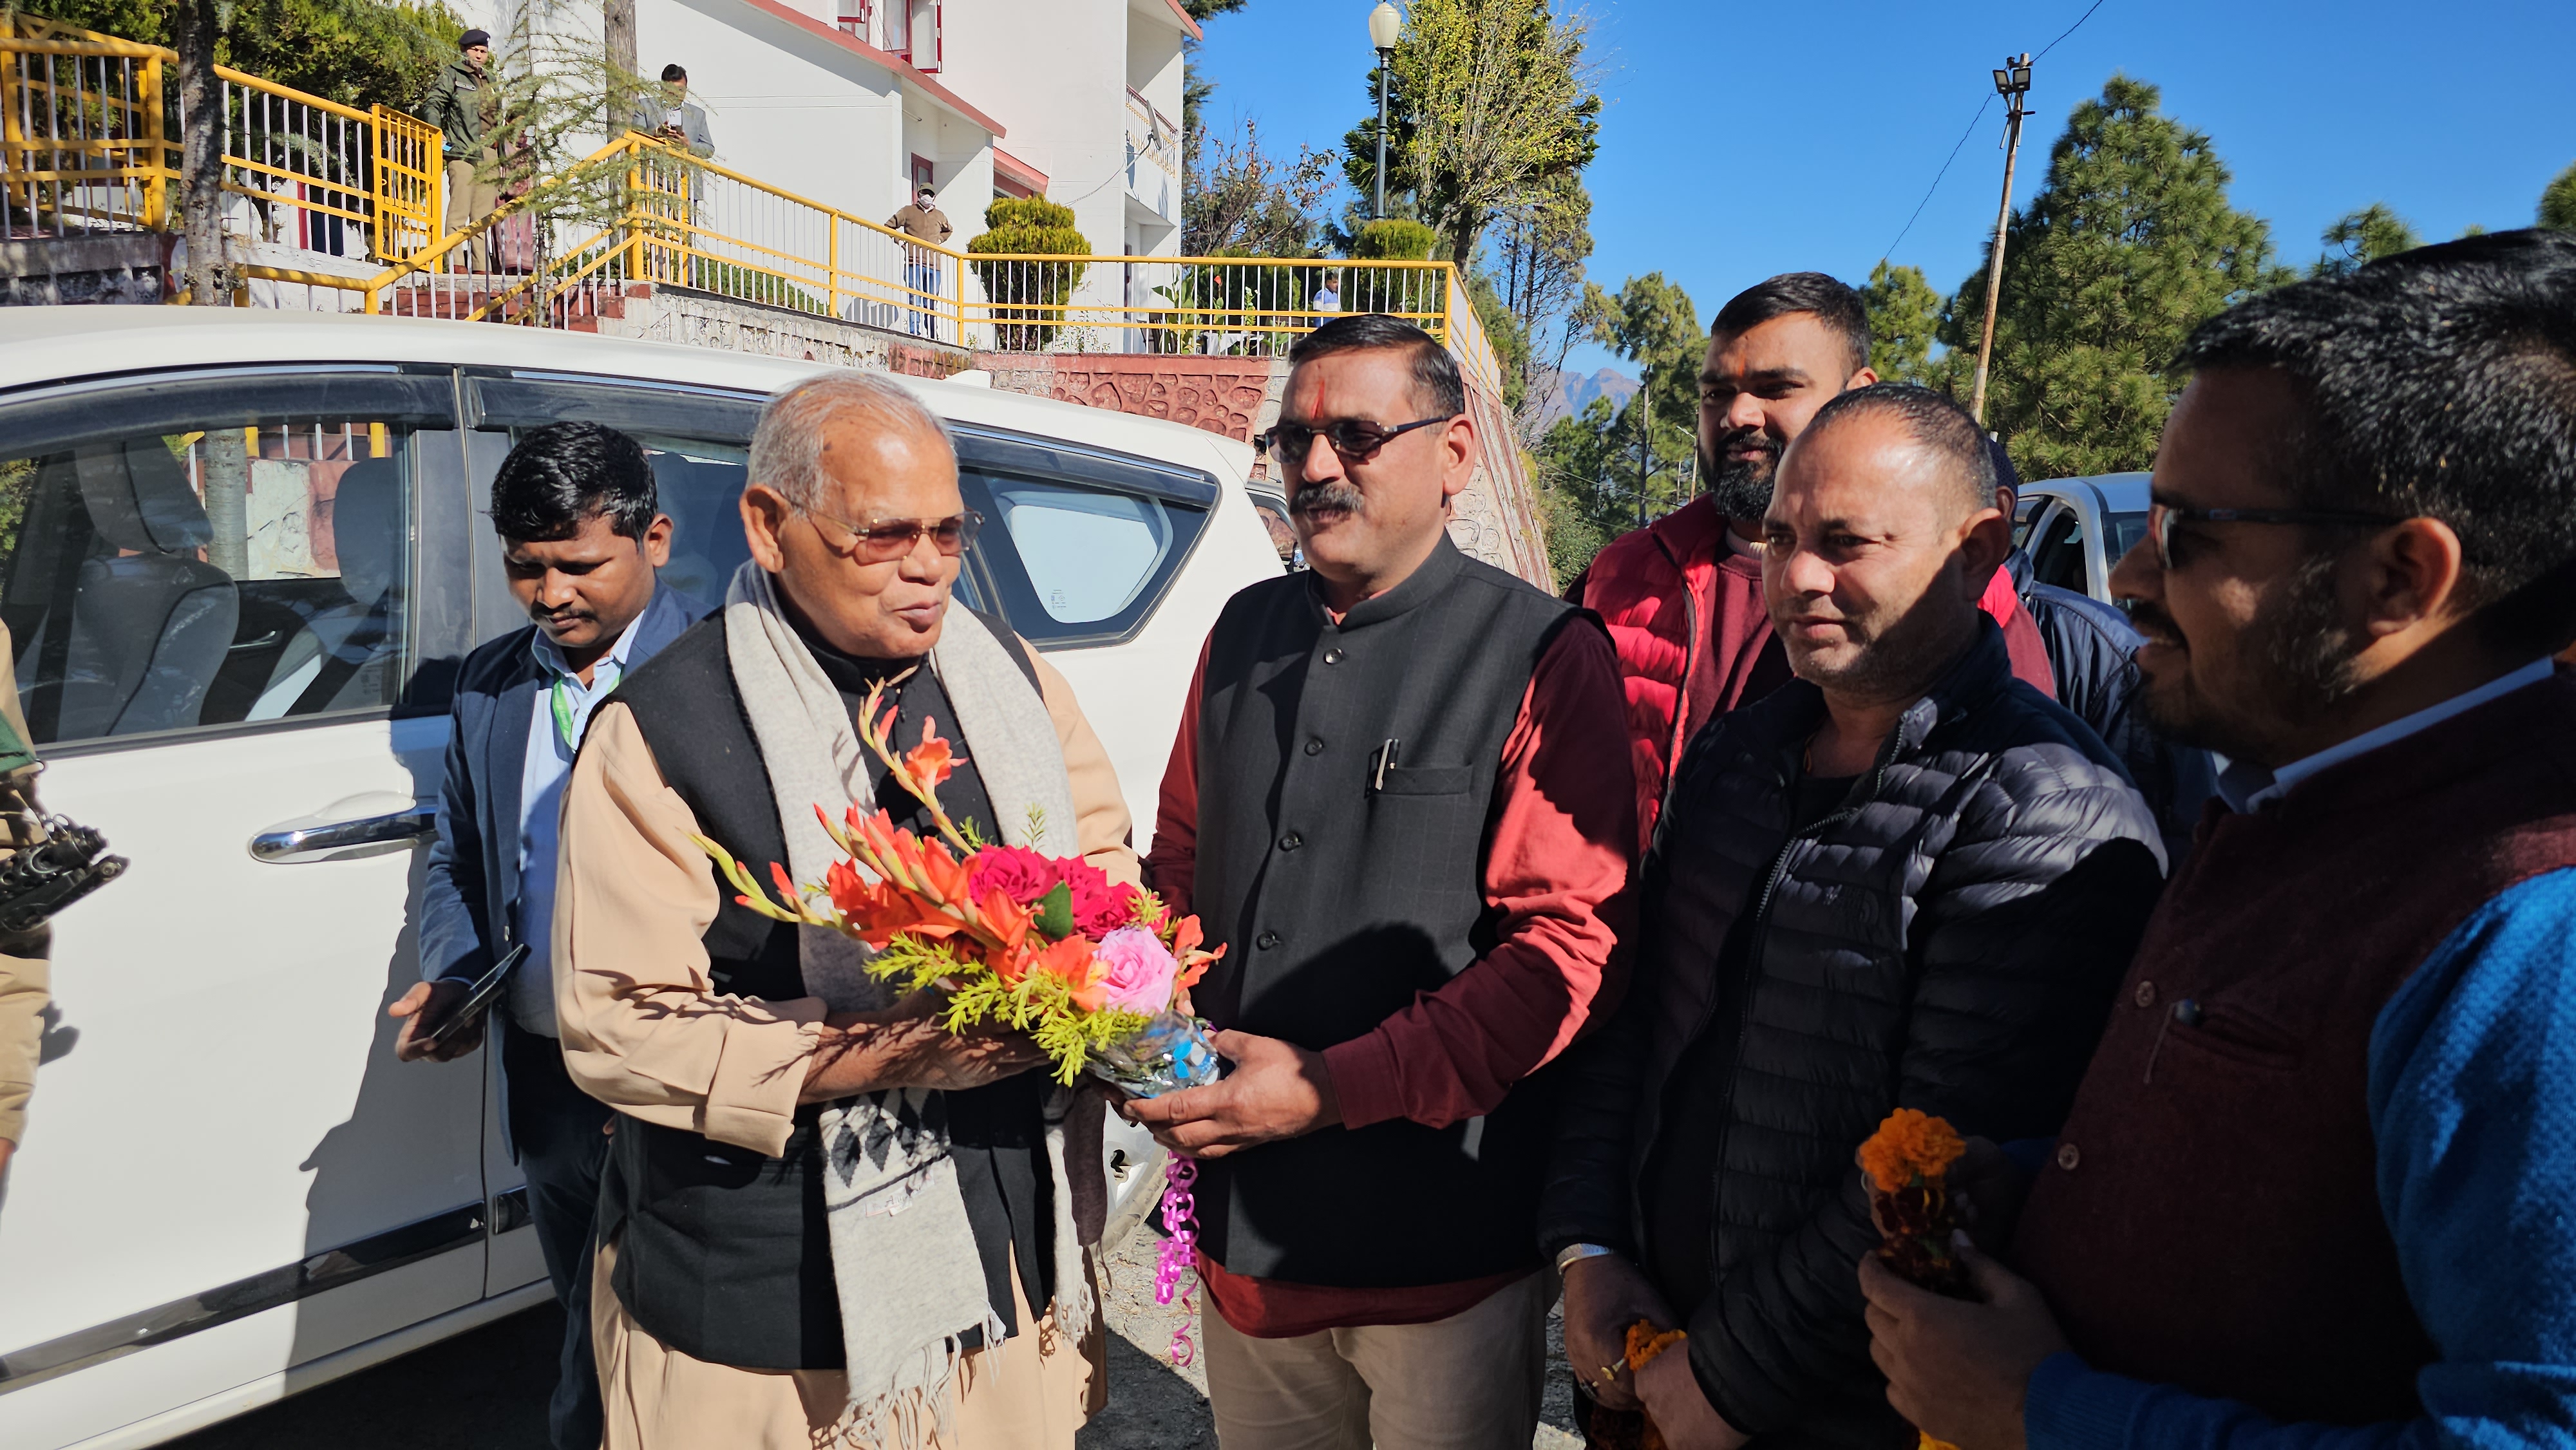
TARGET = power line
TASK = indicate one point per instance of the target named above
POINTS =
(2070, 30)
(1944, 171)
(1972, 130)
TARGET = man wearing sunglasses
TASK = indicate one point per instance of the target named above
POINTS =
(823, 1213)
(2313, 1188)
(1400, 801)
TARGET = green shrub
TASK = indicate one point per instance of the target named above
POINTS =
(1421, 291)
(1393, 239)
(1027, 298)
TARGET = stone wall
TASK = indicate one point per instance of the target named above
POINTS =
(1495, 519)
(112, 268)
(703, 319)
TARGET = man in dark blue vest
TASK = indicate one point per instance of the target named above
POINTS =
(582, 533)
(1401, 800)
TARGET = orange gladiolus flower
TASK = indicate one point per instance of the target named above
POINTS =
(1910, 1142)
(1005, 925)
(932, 761)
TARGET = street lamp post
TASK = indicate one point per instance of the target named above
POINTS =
(2012, 83)
(1385, 24)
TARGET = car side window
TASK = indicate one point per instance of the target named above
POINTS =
(2059, 556)
(2025, 513)
(1074, 559)
(210, 550)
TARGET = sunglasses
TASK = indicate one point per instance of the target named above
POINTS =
(884, 540)
(2161, 517)
(1354, 441)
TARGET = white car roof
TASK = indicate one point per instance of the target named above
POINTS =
(54, 344)
(2119, 493)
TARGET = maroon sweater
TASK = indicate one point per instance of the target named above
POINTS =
(2212, 1219)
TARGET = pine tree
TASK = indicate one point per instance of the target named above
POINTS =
(1588, 466)
(2129, 245)
(1904, 315)
(2558, 202)
(2364, 236)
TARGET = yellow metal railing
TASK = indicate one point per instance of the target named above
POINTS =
(685, 222)
(90, 145)
(89, 130)
(86, 141)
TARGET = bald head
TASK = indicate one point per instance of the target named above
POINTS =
(1952, 447)
(1881, 535)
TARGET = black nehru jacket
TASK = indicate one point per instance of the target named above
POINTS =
(723, 1254)
(1340, 891)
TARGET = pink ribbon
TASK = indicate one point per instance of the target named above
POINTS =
(1176, 1271)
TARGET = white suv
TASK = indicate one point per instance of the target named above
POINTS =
(230, 1190)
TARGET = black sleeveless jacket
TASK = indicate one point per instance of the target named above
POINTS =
(723, 1253)
(1341, 891)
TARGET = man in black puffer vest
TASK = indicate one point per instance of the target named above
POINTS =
(1904, 880)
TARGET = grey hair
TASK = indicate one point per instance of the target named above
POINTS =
(787, 447)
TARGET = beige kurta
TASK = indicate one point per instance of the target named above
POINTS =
(645, 1031)
(25, 975)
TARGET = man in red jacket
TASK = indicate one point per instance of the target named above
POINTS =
(1683, 596)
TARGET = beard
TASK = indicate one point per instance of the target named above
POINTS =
(1741, 488)
(2296, 646)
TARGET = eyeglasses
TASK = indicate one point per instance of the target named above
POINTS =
(884, 540)
(2161, 516)
(1355, 441)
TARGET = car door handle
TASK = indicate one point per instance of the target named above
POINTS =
(312, 843)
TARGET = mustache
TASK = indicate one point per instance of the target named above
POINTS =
(1336, 497)
(2149, 618)
(1734, 438)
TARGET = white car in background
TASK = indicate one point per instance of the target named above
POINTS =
(2077, 528)
(230, 1190)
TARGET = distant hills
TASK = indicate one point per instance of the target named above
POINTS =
(1572, 393)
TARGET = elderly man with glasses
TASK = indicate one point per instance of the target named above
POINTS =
(2313, 1190)
(1400, 799)
(755, 1283)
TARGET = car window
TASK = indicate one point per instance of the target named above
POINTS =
(1072, 560)
(2125, 530)
(210, 550)
(2026, 512)
(2059, 556)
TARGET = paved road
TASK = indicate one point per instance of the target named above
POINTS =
(487, 1390)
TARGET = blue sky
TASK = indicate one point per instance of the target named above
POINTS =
(1743, 140)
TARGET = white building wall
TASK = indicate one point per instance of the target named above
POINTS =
(787, 107)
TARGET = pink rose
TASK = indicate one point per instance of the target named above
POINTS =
(1138, 970)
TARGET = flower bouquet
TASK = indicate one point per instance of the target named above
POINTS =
(1097, 972)
(1908, 1162)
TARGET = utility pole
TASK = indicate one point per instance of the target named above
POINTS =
(1385, 24)
(1645, 448)
(2012, 83)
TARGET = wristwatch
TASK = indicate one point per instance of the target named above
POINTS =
(1572, 1252)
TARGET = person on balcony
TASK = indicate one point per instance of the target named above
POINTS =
(667, 114)
(460, 104)
(922, 221)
